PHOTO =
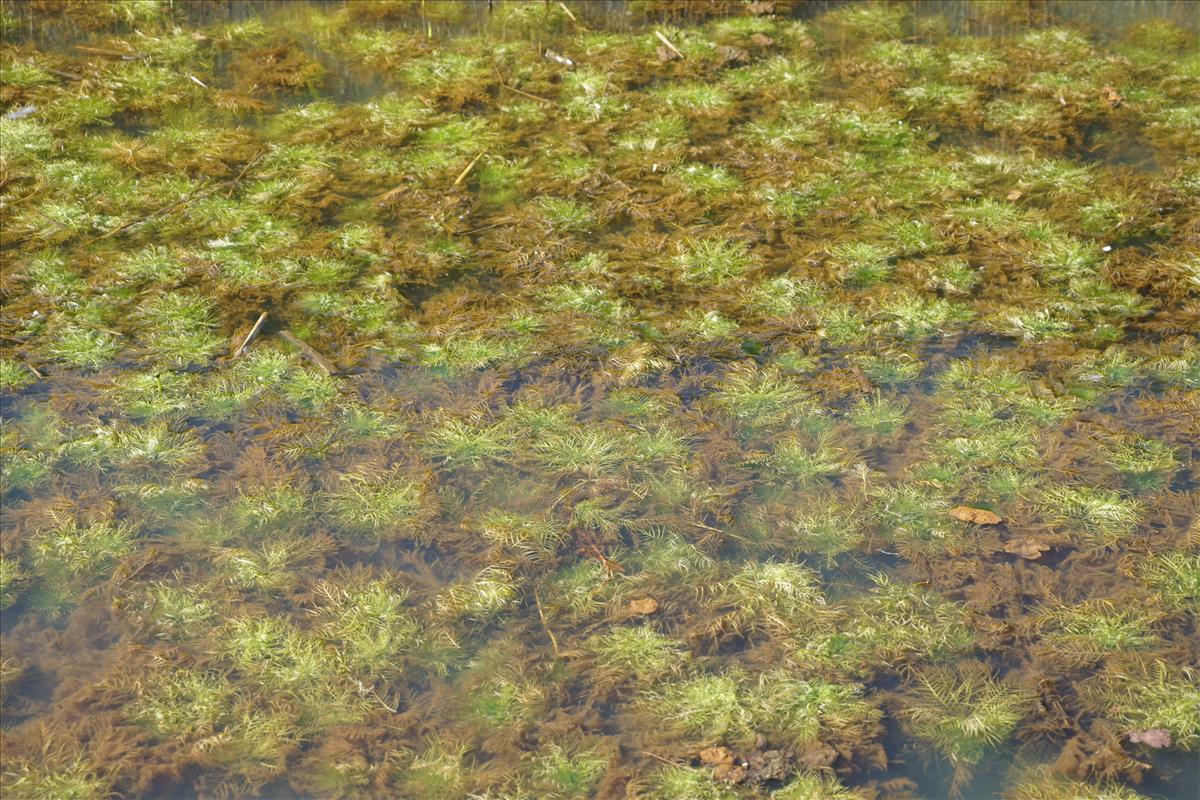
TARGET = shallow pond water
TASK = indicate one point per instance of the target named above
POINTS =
(648, 399)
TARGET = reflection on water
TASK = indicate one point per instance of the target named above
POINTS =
(622, 399)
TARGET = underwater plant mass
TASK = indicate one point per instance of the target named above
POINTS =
(661, 399)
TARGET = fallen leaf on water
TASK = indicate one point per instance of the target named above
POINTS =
(716, 755)
(1154, 737)
(647, 605)
(1026, 548)
(980, 516)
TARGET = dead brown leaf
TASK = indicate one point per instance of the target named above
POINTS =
(1026, 547)
(666, 54)
(1015, 194)
(642, 607)
(979, 516)
(1111, 96)
(716, 755)
(761, 39)
(1154, 737)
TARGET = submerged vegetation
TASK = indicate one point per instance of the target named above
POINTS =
(728, 400)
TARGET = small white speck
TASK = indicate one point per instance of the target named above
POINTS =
(1107, 248)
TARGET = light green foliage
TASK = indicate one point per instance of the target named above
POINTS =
(963, 713)
(1095, 629)
(861, 263)
(708, 707)
(370, 621)
(268, 566)
(688, 783)
(369, 507)
(712, 262)
(463, 444)
(564, 214)
(82, 346)
(491, 591)
(1100, 517)
(916, 520)
(879, 415)
(799, 711)
(762, 398)
(830, 530)
(638, 654)
(75, 556)
(895, 623)
(794, 462)
(705, 180)
(526, 535)
(183, 704)
(12, 580)
(1149, 694)
(13, 376)
(1174, 576)
(1145, 464)
(567, 773)
(628, 369)
(179, 612)
(815, 786)
(440, 772)
(75, 781)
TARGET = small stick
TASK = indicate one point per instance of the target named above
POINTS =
(525, 94)
(71, 76)
(463, 174)
(250, 336)
(305, 348)
(660, 758)
(181, 201)
(484, 228)
(542, 617)
(197, 81)
(567, 11)
(667, 42)
(33, 369)
(245, 169)
(104, 51)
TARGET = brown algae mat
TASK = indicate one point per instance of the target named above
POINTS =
(681, 400)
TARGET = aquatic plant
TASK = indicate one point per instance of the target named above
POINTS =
(963, 712)
(1174, 577)
(1148, 695)
(1145, 464)
(547, 384)
(1100, 517)
(1087, 631)
(566, 773)
(688, 783)
(706, 707)
(77, 780)
(712, 262)
(369, 507)
(797, 711)
(459, 443)
(638, 654)
(815, 786)
(71, 556)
